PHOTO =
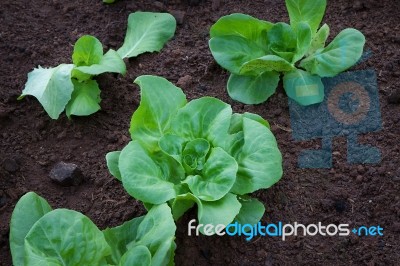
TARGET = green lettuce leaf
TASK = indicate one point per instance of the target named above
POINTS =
(157, 233)
(112, 159)
(136, 256)
(253, 89)
(303, 41)
(242, 25)
(85, 98)
(65, 237)
(142, 177)
(216, 178)
(251, 212)
(342, 53)
(28, 210)
(147, 32)
(110, 62)
(88, 51)
(264, 64)
(231, 51)
(304, 88)
(160, 101)
(52, 87)
(310, 12)
(318, 41)
(206, 118)
(259, 159)
(120, 237)
(282, 41)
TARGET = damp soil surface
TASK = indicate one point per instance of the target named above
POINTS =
(42, 33)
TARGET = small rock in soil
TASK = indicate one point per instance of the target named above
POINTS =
(179, 16)
(10, 165)
(66, 174)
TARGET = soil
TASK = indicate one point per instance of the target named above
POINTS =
(42, 33)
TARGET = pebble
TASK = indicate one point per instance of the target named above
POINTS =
(66, 174)
(10, 165)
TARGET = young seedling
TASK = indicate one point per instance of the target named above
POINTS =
(71, 87)
(42, 236)
(257, 52)
(196, 153)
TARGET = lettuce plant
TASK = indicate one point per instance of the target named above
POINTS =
(257, 52)
(197, 152)
(72, 87)
(42, 236)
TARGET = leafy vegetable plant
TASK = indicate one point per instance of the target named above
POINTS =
(42, 236)
(196, 153)
(72, 87)
(256, 52)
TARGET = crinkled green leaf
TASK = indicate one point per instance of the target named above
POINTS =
(342, 53)
(160, 101)
(194, 155)
(112, 159)
(142, 177)
(264, 64)
(222, 211)
(237, 121)
(88, 50)
(156, 230)
(110, 62)
(28, 210)
(85, 98)
(242, 25)
(182, 203)
(303, 41)
(65, 237)
(318, 41)
(172, 145)
(308, 11)
(206, 118)
(304, 88)
(52, 87)
(136, 256)
(147, 32)
(282, 41)
(120, 237)
(253, 89)
(217, 177)
(231, 51)
(259, 159)
(251, 212)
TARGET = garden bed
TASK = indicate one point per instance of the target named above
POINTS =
(43, 32)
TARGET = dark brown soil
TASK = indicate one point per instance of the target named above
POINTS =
(42, 33)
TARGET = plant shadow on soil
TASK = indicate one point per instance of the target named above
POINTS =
(42, 33)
